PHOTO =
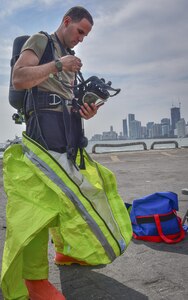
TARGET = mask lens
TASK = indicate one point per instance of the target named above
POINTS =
(90, 98)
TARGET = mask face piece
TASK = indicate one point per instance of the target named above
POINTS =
(91, 97)
(94, 90)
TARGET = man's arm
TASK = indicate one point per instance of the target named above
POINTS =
(28, 73)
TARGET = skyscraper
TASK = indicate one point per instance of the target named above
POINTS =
(175, 117)
(165, 123)
(131, 117)
(125, 131)
(180, 126)
(135, 130)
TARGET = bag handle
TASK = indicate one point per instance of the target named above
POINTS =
(166, 239)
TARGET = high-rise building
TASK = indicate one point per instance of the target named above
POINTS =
(109, 135)
(180, 127)
(143, 132)
(175, 117)
(165, 123)
(125, 130)
(131, 117)
(135, 130)
(156, 130)
(149, 126)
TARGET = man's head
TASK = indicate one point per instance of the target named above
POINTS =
(76, 24)
(77, 13)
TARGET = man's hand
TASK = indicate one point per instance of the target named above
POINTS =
(88, 111)
(71, 63)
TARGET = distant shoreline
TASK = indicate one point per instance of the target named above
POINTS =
(182, 143)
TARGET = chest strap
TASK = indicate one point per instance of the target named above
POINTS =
(42, 100)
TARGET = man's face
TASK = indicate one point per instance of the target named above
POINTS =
(75, 32)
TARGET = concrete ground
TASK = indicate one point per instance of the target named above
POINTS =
(153, 271)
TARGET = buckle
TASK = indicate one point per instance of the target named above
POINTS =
(56, 99)
(68, 102)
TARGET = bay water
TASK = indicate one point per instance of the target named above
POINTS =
(128, 145)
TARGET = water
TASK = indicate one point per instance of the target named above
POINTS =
(182, 142)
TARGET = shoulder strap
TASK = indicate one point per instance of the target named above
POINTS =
(180, 236)
(49, 52)
(48, 55)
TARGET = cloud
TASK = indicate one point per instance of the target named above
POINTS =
(136, 34)
(10, 7)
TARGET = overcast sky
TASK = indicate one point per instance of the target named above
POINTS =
(140, 45)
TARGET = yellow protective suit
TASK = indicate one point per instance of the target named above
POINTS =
(45, 190)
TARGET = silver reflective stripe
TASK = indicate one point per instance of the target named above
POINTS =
(74, 199)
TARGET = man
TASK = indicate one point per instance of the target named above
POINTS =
(75, 26)
(46, 188)
(27, 73)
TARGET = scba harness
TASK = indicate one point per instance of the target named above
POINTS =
(29, 103)
(92, 90)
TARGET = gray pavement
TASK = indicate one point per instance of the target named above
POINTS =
(153, 271)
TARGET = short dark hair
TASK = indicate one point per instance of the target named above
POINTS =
(77, 13)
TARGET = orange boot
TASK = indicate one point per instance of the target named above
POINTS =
(42, 290)
(61, 259)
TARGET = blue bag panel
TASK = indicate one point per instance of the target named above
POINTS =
(157, 203)
(161, 203)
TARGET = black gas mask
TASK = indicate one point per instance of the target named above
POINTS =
(93, 90)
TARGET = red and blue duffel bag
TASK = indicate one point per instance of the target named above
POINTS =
(154, 218)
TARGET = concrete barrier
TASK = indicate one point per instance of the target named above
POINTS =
(164, 142)
(118, 146)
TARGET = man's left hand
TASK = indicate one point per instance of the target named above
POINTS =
(88, 111)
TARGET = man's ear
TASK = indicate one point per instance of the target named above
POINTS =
(67, 20)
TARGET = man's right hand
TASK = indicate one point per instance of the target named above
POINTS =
(71, 63)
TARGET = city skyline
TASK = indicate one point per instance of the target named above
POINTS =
(173, 126)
